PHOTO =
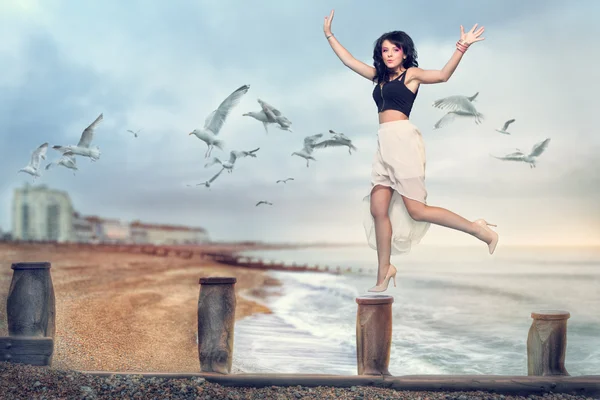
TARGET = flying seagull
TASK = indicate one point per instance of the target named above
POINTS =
(215, 120)
(505, 127)
(263, 202)
(456, 103)
(233, 156)
(284, 180)
(83, 147)
(211, 180)
(135, 134)
(307, 150)
(530, 158)
(33, 168)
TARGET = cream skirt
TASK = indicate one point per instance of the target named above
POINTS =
(399, 163)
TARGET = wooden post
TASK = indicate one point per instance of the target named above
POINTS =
(547, 342)
(373, 334)
(30, 311)
(216, 320)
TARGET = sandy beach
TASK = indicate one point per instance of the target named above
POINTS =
(127, 312)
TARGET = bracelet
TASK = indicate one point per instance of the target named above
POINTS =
(327, 37)
(461, 47)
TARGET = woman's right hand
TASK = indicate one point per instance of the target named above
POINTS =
(327, 24)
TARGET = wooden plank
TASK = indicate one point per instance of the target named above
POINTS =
(26, 345)
(587, 385)
(26, 350)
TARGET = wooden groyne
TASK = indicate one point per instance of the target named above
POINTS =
(221, 254)
(259, 263)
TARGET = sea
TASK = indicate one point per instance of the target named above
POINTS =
(456, 310)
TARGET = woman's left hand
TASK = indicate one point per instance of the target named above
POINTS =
(472, 36)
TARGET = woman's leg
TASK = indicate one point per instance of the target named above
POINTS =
(380, 203)
(441, 216)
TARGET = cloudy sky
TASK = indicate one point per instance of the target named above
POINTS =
(164, 66)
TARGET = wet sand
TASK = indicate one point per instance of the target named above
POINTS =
(127, 312)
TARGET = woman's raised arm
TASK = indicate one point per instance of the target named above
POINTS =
(344, 55)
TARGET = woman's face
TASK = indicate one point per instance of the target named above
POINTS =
(392, 55)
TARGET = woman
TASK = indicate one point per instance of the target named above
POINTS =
(398, 215)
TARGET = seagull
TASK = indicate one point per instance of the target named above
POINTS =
(263, 202)
(284, 180)
(275, 116)
(261, 116)
(211, 180)
(34, 164)
(215, 120)
(135, 134)
(233, 156)
(67, 160)
(530, 158)
(451, 115)
(339, 139)
(456, 103)
(83, 147)
(307, 150)
(505, 127)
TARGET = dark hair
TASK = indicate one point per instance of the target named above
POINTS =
(403, 41)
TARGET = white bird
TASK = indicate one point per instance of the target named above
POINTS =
(211, 180)
(451, 115)
(339, 139)
(456, 103)
(263, 202)
(284, 180)
(307, 150)
(135, 134)
(33, 168)
(233, 156)
(275, 116)
(505, 127)
(260, 116)
(215, 120)
(67, 160)
(83, 147)
(530, 158)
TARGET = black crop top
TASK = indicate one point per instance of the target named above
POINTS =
(394, 96)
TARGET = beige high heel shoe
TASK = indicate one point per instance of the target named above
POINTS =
(484, 225)
(390, 275)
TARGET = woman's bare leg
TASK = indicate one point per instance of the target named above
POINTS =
(380, 203)
(441, 216)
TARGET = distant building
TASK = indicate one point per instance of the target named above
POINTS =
(83, 229)
(39, 213)
(167, 234)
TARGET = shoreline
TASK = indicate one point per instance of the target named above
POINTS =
(128, 312)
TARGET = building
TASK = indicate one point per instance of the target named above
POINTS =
(167, 234)
(83, 229)
(40, 213)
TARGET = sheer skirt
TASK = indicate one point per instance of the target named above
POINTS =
(399, 163)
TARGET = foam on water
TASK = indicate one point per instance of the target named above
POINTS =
(453, 314)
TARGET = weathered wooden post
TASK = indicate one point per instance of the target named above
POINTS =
(216, 320)
(30, 312)
(547, 342)
(374, 334)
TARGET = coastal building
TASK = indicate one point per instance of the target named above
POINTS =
(167, 234)
(40, 213)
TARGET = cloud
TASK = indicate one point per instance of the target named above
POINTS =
(164, 68)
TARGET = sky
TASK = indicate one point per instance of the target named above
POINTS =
(164, 66)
